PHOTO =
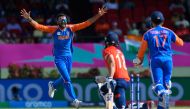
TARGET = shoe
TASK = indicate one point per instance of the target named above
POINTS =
(52, 90)
(165, 100)
(76, 103)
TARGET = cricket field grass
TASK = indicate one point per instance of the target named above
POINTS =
(92, 108)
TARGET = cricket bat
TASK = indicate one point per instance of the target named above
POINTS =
(109, 98)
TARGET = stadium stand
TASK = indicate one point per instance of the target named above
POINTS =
(136, 11)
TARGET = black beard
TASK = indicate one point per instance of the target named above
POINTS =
(62, 26)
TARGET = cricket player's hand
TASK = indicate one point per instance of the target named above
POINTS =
(137, 62)
(25, 14)
(112, 83)
(109, 79)
(102, 11)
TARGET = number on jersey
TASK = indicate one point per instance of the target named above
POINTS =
(157, 41)
(121, 60)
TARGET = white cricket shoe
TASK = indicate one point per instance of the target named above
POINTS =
(51, 90)
(76, 103)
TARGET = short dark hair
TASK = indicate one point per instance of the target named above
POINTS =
(157, 22)
(61, 14)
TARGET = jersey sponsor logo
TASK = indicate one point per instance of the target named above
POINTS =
(58, 33)
(63, 37)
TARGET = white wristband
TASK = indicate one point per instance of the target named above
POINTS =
(136, 61)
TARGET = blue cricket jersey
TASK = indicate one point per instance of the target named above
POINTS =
(63, 42)
(159, 41)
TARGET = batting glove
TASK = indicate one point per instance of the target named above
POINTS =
(112, 83)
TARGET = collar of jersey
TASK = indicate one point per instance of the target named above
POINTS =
(158, 26)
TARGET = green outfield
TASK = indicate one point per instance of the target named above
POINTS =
(104, 108)
(91, 108)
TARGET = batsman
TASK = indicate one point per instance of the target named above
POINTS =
(118, 78)
(158, 40)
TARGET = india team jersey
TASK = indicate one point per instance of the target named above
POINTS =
(119, 60)
(159, 41)
(63, 42)
(62, 38)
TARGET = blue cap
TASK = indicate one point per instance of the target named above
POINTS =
(157, 17)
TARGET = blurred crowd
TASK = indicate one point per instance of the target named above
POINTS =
(125, 17)
(26, 71)
(15, 29)
(91, 73)
(16, 71)
(129, 17)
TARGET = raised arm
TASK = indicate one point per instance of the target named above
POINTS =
(36, 25)
(79, 26)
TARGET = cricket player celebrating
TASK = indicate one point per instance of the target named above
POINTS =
(115, 62)
(63, 34)
(158, 40)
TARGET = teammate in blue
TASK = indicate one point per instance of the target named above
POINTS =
(63, 34)
(158, 40)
